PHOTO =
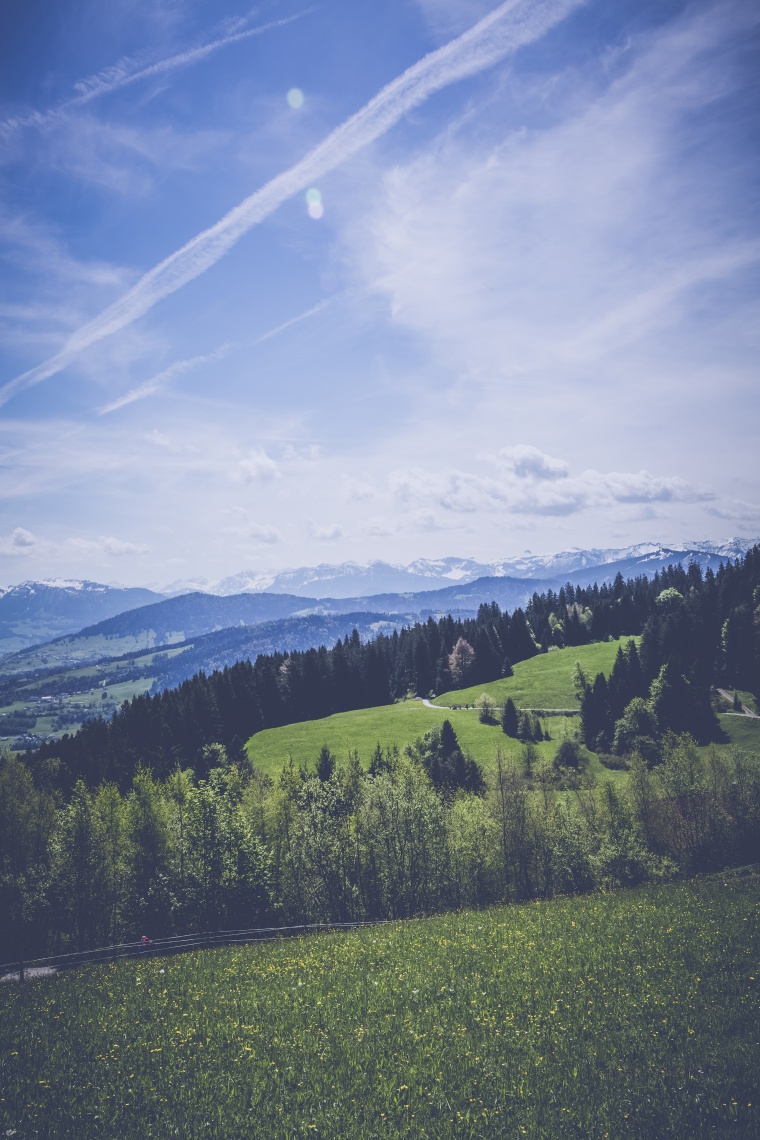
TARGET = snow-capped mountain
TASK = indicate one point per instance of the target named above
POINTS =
(353, 579)
(39, 611)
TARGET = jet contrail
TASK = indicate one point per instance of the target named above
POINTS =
(510, 26)
(127, 71)
(156, 383)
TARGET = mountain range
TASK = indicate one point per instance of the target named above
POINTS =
(76, 620)
(351, 579)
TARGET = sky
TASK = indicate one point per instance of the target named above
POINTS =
(313, 282)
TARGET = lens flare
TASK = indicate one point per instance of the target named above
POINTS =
(314, 203)
(295, 98)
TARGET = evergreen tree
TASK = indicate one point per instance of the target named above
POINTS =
(509, 720)
(325, 764)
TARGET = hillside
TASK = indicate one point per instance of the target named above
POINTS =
(176, 620)
(33, 612)
(47, 703)
(533, 683)
(632, 1013)
(543, 682)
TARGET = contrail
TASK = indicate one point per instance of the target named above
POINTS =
(312, 312)
(128, 71)
(156, 383)
(510, 26)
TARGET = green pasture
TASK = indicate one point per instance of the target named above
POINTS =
(541, 682)
(390, 725)
(628, 1014)
(742, 731)
(545, 681)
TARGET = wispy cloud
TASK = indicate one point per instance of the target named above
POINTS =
(509, 27)
(330, 533)
(133, 70)
(106, 544)
(312, 312)
(159, 382)
(569, 233)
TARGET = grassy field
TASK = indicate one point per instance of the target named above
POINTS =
(545, 681)
(633, 1014)
(742, 731)
(396, 724)
(542, 682)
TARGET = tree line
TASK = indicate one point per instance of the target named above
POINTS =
(702, 630)
(417, 832)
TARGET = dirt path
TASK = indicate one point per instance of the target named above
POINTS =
(746, 711)
(474, 708)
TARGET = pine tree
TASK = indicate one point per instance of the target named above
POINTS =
(509, 720)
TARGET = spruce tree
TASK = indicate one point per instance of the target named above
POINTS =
(509, 722)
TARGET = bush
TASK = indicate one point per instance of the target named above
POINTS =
(569, 755)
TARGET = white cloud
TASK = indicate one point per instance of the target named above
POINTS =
(257, 466)
(380, 527)
(19, 544)
(587, 223)
(159, 382)
(330, 533)
(530, 463)
(106, 544)
(252, 532)
(131, 70)
(357, 490)
(514, 492)
(449, 16)
(735, 510)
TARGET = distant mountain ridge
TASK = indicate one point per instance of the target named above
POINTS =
(350, 579)
(32, 612)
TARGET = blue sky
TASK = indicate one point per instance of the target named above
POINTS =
(298, 283)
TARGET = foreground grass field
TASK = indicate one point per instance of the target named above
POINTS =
(633, 1014)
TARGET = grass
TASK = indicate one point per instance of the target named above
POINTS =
(542, 682)
(398, 724)
(631, 1014)
(742, 731)
(546, 681)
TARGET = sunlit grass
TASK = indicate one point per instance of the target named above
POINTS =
(545, 681)
(631, 1014)
(542, 682)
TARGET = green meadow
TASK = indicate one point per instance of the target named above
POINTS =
(628, 1014)
(545, 681)
(390, 725)
(542, 682)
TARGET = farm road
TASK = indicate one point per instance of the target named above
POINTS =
(746, 711)
(473, 708)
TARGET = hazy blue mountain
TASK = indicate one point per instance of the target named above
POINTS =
(39, 611)
(225, 647)
(169, 621)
